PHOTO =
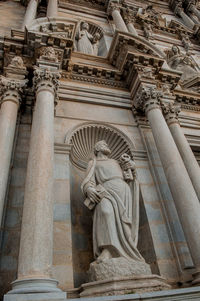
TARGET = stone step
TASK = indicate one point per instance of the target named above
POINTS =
(184, 294)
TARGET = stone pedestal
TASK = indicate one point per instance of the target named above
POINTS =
(124, 285)
(117, 276)
(117, 267)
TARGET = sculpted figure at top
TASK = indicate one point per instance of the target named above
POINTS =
(182, 62)
(116, 215)
(86, 43)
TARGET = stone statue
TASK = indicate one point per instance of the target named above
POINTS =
(116, 213)
(95, 42)
(182, 62)
(84, 40)
(148, 33)
(48, 53)
(17, 62)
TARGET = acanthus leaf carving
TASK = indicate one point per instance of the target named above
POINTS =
(46, 79)
(11, 89)
(146, 99)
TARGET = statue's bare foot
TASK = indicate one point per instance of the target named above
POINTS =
(105, 254)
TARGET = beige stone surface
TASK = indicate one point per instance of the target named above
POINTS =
(125, 285)
(11, 16)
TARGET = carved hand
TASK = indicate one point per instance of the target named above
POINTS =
(93, 195)
(129, 165)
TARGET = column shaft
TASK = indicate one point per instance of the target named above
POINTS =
(187, 155)
(186, 201)
(119, 22)
(52, 9)
(187, 21)
(8, 117)
(36, 245)
(35, 256)
(131, 28)
(195, 11)
(30, 14)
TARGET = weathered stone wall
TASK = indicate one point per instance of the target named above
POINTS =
(12, 13)
(158, 242)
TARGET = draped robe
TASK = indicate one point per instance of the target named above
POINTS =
(84, 42)
(116, 216)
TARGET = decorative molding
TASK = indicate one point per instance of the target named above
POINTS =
(46, 79)
(11, 89)
(146, 99)
(128, 48)
(171, 113)
(62, 148)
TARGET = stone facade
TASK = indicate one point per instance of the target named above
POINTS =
(76, 72)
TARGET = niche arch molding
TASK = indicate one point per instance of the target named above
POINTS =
(83, 137)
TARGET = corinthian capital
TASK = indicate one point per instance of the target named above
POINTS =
(147, 98)
(171, 112)
(45, 79)
(11, 89)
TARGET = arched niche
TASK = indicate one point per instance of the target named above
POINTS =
(93, 30)
(82, 139)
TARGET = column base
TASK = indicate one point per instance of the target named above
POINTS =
(36, 297)
(32, 286)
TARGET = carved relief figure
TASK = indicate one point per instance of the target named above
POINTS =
(115, 220)
(17, 62)
(182, 62)
(84, 40)
(148, 33)
(95, 41)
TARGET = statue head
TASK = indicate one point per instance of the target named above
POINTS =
(101, 146)
(85, 26)
(17, 62)
(175, 49)
(96, 37)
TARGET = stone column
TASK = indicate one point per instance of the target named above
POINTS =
(186, 19)
(191, 164)
(129, 17)
(35, 256)
(131, 28)
(114, 10)
(185, 198)
(194, 10)
(9, 103)
(30, 14)
(11, 88)
(52, 9)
